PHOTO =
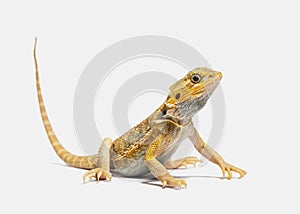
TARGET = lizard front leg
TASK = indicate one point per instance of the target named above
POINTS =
(175, 164)
(157, 169)
(102, 161)
(213, 156)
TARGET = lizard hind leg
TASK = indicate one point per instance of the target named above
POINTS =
(170, 164)
(102, 161)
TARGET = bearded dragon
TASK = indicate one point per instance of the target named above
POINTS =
(149, 146)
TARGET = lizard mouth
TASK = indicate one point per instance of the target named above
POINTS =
(208, 89)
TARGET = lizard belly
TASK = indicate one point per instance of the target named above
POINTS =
(137, 167)
(131, 167)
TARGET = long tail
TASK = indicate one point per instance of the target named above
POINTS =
(85, 162)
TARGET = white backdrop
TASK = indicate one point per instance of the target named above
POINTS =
(255, 45)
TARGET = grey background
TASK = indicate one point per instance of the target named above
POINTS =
(255, 44)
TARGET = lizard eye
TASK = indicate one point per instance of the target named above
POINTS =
(196, 78)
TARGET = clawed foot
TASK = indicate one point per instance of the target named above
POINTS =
(168, 180)
(182, 162)
(227, 168)
(97, 174)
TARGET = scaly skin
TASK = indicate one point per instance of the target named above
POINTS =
(148, 146)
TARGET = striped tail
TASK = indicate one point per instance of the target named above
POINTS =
(84, 162)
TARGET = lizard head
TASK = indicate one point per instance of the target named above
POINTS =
(188, 95)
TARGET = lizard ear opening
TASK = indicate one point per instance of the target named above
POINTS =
(164, 110)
